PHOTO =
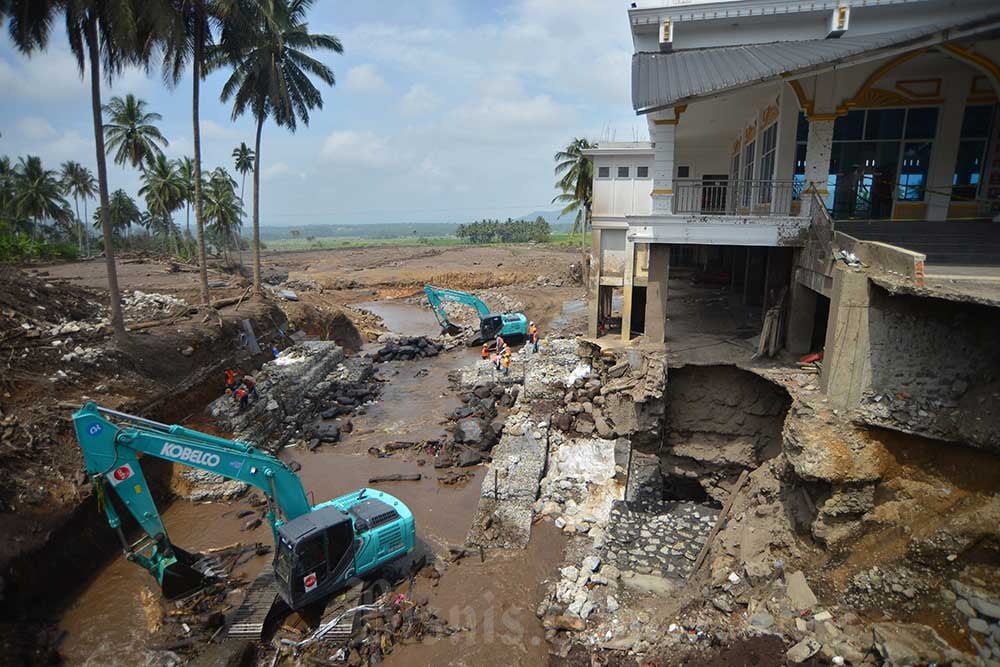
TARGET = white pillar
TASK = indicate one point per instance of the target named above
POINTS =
(944, 151)
(819, 146)
(788, 121)
(628, 278)
(663, 132)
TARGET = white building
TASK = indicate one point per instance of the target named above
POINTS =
(874, 110)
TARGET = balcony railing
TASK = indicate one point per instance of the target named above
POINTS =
(719, 197)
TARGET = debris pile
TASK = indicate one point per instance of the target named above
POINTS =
(143, 306)
(407, 348)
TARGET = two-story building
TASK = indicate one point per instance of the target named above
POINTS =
(766, 116)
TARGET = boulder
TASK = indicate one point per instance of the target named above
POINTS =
(798, 591)
(802, 651)
(468, 457)
(326, 432)
(912, 644)
(470, 430)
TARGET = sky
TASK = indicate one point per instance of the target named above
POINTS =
(443, 110)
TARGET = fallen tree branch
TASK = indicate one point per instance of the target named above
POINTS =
(720, 520)
(396, 477)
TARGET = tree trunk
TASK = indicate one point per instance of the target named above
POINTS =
(239, 228)
(86, 231)
(114, 295)
(256, 209)
(79, 225)
(199, 44)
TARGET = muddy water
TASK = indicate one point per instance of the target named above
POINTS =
(107, 623)
(403, 318)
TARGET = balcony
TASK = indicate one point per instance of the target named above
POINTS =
(740, 198)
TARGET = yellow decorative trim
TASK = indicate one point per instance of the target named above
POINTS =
(805, 103)
(906, 86)
(665, 121)
(770, 115)
(977, 59)
(981, 90)
(678, 110)
(841, 17)
(880, 97)
(736, 147)
(663, 192)
(824, 116)
(749, 134)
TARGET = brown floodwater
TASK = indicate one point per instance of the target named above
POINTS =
(403, 318)
(106, 624)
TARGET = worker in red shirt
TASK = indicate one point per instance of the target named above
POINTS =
(242, 397)
(230, 379)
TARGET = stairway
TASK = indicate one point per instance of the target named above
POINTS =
(943, 241)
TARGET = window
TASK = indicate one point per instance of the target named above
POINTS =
(913, 172)
(683, 171)
(642, 172)
(748, 153)
(604, 172)
(768, 144)
(921, 123)
(849, 127)
(799, 177)
(735, 168)
(622, 172)
(971, 152)
(884, 124)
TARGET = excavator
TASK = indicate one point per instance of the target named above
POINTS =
(317, 548)
(512, 326)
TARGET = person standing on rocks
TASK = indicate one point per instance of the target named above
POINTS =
(506, 361)
(486, 351)
(230, 379)
(533, 337)
(242, 397)
(251, 386)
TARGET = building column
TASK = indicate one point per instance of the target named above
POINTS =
(944, 151)
(656, 293)
(801, 318)
(847, 365)
(663, 131)
(627, 280)
(819, 146)
(594, 280)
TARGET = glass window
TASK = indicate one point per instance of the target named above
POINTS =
(913, 173)
(683, 171)
(849, 127)
(799, 176)
(802, 129)
(921, 123)
(968, 169)
(768, 143)
(735, 175)
(748, 154)
(311, 554)
(622, 172)
(885, 124)
(642, 172)
(976, 121)
(604, 172)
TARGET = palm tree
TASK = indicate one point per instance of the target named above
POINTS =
(7, 213)
(163, 190)
(122, 213)
(79, 182)
(243, 159)
(576, 181)
(131, 132)
(101, 36)
(267, 50)
(38, 194)
(222, 209)
(185, 170)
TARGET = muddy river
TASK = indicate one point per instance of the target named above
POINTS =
(495, 599)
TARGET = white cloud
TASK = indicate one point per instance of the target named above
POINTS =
(53, 75)
(353, 147)
(216, 132)
(364, 79)
(279, 170)
(419, 100)
(35, 128)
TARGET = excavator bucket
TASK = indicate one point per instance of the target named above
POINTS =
(188, 574)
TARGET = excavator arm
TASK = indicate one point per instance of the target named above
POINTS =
(437, 295)
(111, 450)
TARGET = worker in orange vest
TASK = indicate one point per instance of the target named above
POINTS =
(486, 351)
(506, 361)
(230, 379)
(533, 337)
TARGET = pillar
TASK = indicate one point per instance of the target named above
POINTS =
(662, 132)
(944, 151)
(819, 145)
(656, 293)
(594, 282)
(627, 281)
(788, 122)
(847, 353)
(801, 318)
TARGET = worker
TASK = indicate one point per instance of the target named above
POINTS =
(499, 344)
(230, 379)
(486, 351)
(533, 337)
(251, 386)
(506, 362)
(242, 397)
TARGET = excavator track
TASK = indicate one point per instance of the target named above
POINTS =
(249, 620)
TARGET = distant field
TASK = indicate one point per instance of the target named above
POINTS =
(330, 243)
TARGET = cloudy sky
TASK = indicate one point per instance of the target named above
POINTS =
(444, 110)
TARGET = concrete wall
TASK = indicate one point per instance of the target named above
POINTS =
(612, 252)
(614, 196)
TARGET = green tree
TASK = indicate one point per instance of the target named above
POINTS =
(185, 169)
(78, 182)
(222, 208)
(8, 214)
(38, 194)
(267, 50)
(102, 36)
(243, 159)
(163, 190)
(122, 213)
(576, 180)
(131, 132)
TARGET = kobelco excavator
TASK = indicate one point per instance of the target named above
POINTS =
(512, 326)
(317, 549)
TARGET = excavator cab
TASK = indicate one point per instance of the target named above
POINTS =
(314, 555)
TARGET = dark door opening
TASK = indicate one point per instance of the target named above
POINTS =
(638, 310)
(820, 319)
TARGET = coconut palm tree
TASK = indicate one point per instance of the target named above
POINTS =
(576, 180)
(131, 132)
(222, 209)
(79, 182)
(266, 46)
(243, 158)
(38, 194)
(163, 190)
(185, 170)
(122, 213)
(102, 37)
(7, 214)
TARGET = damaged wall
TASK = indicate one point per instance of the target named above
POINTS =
(719, 420)
(935, 368)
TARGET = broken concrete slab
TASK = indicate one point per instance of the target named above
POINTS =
(798, 591)
(802, 651)
(648, 584)
(912, 644)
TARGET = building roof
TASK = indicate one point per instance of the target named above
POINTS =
(662, 80)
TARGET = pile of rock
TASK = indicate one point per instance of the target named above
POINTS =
(980, 613)
(581, 410)
(85, 355)
(141, 306)
(408, 348)
(579, 592)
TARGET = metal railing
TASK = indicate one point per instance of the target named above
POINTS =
(720, 197)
